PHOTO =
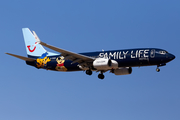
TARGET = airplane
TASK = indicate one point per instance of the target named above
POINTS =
(118, 62)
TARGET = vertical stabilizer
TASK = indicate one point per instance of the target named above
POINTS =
(33, 49)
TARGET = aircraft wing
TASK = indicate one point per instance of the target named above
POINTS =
(69, 55)
(21, 57)
(75, 57)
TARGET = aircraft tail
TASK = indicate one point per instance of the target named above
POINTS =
(33, 49)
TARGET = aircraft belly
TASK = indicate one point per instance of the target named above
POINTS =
(63, 65)
(133, 62)
(71, 67)
(56, 63)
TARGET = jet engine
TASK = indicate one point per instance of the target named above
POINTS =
(105, 64)
(123, 71)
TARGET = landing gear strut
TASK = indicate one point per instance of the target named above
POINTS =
(101, 76)
(157, 69)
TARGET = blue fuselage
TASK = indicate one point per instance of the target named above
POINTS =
(125, 58)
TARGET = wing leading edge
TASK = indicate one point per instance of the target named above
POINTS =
(75, 57)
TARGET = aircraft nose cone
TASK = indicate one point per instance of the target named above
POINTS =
(171, 56)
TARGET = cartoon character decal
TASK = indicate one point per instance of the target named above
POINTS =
(60, 64)
(42, 61)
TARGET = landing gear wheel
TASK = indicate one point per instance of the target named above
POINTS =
(157, 69)
(88, 72)
(101, 76)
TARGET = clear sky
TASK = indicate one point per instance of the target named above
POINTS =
(27, 93)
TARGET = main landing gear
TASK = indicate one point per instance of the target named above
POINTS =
(88, 72)
(100, 76)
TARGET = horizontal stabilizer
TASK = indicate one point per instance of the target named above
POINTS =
(21, 57)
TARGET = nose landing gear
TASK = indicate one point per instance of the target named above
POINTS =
(157, 69)
(162, 64)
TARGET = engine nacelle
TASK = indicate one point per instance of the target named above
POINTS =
(105, 64)
(123, 71)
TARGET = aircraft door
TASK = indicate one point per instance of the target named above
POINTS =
(152, 53)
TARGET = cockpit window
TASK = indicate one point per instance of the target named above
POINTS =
(163, 52)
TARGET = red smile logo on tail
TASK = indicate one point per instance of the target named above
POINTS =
(31, 50)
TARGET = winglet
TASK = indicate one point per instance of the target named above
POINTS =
(36, 37)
